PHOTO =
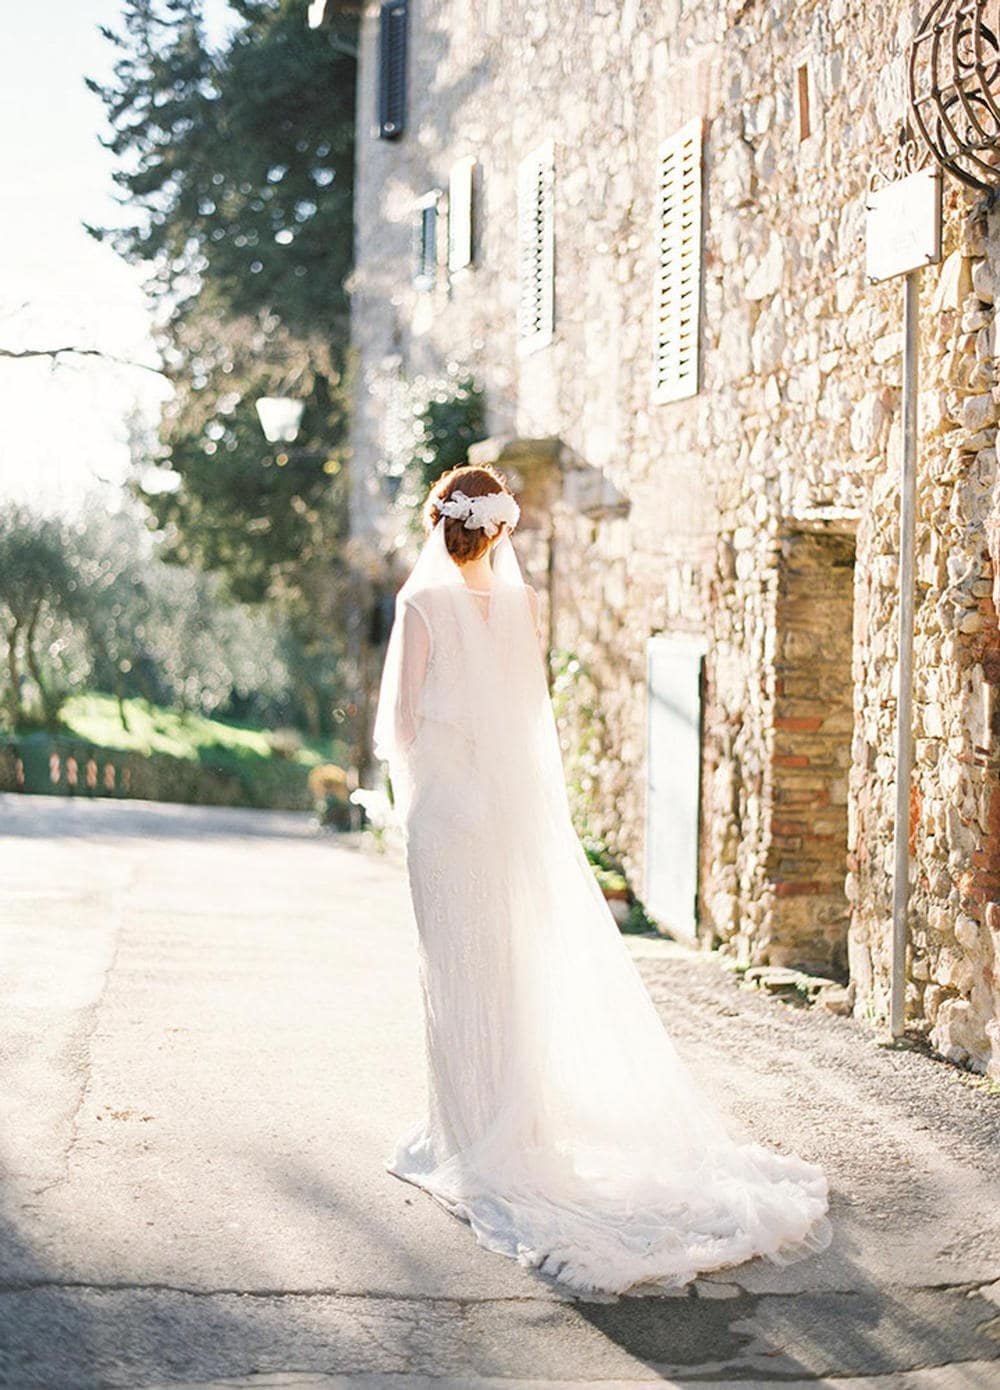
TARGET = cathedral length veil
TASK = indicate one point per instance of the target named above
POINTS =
(561, 1124)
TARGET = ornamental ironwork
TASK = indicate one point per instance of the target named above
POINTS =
(908, 157)
(954, 80)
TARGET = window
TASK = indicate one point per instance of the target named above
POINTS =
(392, 70)
(803, 102)
(535, 238)
(460, 213)
(678, 265)
(425, 240)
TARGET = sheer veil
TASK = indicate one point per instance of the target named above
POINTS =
(478, 693)
(562, 1122)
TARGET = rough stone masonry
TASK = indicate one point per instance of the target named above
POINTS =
(760, 514)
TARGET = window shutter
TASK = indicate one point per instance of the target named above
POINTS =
(392, 70)
(460, 194)
(678, 265)
(426, 240)
(536, 260)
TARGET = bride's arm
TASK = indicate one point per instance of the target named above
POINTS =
(534, 605)
(415, 654)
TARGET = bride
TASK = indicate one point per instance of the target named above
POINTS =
(561, 1124)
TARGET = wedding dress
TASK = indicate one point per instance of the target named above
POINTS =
(562, 1124)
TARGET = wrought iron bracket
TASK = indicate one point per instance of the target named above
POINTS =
(909, 157)
(954, 88)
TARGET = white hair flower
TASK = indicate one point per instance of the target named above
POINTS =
(487, 511)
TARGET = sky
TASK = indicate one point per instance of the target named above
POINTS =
(63, 426)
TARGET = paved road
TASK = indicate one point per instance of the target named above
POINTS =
(210, 1037)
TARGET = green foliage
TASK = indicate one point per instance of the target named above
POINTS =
(236, 168)
(599, 854)
(580, 721)
(171, 635)
(236, 165)
(37, 592)
(611, 881)
(151, 728)
(638, 921)
(610, 875)
(67, 765)
(263, 515)
(450, 417)
(982, 1084)
(436, 421)
(91, 603)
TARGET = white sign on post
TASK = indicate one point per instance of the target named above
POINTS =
(903, 230)
(904, 234)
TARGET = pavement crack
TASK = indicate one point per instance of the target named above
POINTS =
(90, 1017)
(361, 1295)
(448, 1300)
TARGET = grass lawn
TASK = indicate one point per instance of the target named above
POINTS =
(152, 729)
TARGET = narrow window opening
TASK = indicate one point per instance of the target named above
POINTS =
(803, 102)
(426, 241)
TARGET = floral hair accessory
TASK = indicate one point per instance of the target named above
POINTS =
(487, 511)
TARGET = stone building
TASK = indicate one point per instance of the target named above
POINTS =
(641, 228)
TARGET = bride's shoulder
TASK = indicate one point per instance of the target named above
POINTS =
(427, 600)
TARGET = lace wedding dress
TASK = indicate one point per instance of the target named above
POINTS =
(562, 1124)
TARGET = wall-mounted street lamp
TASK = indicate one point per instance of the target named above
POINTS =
(280, 418)
(955, 88)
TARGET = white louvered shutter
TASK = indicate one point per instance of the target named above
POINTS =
(678, 265)
(460, 194)
(536, 247)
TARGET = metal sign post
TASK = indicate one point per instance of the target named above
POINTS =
(904, 690)
(903, 234)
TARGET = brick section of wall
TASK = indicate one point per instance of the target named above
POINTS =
(813, 717)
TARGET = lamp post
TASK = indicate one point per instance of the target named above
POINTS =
(280, 418)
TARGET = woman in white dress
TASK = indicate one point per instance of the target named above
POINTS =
(561, 1124)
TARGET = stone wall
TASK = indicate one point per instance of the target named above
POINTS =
(955, 800)
(731, 515)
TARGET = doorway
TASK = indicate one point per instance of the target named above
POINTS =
(674, 684)
(806, 860)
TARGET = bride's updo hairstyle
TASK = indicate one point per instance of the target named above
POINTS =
(464, 543)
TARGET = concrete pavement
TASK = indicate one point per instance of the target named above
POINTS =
(210, 1039)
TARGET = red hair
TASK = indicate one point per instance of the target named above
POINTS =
(464, 543)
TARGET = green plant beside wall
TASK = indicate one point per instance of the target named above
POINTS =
(614, 885)
(432, 422)
(582, 737)
(581, 734)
